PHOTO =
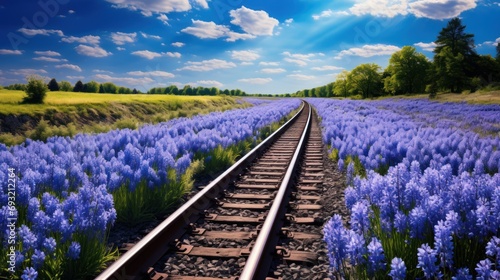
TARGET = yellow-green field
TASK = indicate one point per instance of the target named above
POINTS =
(10, 100)
(67, 113)
(479, 97)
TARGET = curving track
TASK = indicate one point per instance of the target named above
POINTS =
(260, 219)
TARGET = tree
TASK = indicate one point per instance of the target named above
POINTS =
(365, 79)
(498, 51)
(109, 87)
(53, 85)
(78, 87)
(460, 53)
(36, 90)
(449, 70)
(92, 87)
(489, 69)
(454, 36)
(407, 72)
(65, 86)
(341, 86)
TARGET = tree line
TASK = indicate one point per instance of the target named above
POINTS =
(108, 87)
(455, 67)
(188, 90)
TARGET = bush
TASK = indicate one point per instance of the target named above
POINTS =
(35, 90)
(431, 89)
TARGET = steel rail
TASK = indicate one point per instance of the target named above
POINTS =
(136, 261)
(259, 261)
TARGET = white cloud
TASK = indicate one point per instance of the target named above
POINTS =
(269, 63)
(76, 77)
(124, 80)
(441, 9)
(147, 54)
(273, 70)
(253, 22)
(89, 40)
(426, 46)
(299, 59)
(102, 71)
(120, 38)
(71, 12)
(288, 22)
(206, 30)
(327, 68)
(208, 65)
(245, 55)
(149, 36)
(27, 71)
(92, 51)
(70, 66)
(151, 55)
(299, 56)
(120, 48)
(162, 74)
(295, 61)
(234, 36)
(490, 43)
(210, 83)
(256, 81)
(147, 8)
(44, 32)
(380, 8)
(301, 77)
(47, 53)
(178, 44)
(10, 52)
(163, 18)
(329, 13)
(49, 59)
(202, 3)
(369, 51)
(433, 9)
(173, 54)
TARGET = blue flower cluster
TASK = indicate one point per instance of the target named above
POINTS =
(383, 133)
(65, 186)
(439, 197)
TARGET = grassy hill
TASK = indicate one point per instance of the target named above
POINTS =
(67, 113)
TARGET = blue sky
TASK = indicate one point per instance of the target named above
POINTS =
(258, 46)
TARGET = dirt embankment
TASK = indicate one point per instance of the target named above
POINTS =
(67, 120)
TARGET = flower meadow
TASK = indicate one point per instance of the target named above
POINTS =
(70, 191)
(423, 189)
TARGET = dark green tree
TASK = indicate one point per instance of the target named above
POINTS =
(498, 51)
(460, 45)
(53, 85)
(78, 87)
(36, 90)
(454, 37)
(91, 87)
(449, 69)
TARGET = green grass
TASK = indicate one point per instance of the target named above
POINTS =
(478, 97)
(68, 113)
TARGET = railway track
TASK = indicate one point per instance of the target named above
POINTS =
(261, 219)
